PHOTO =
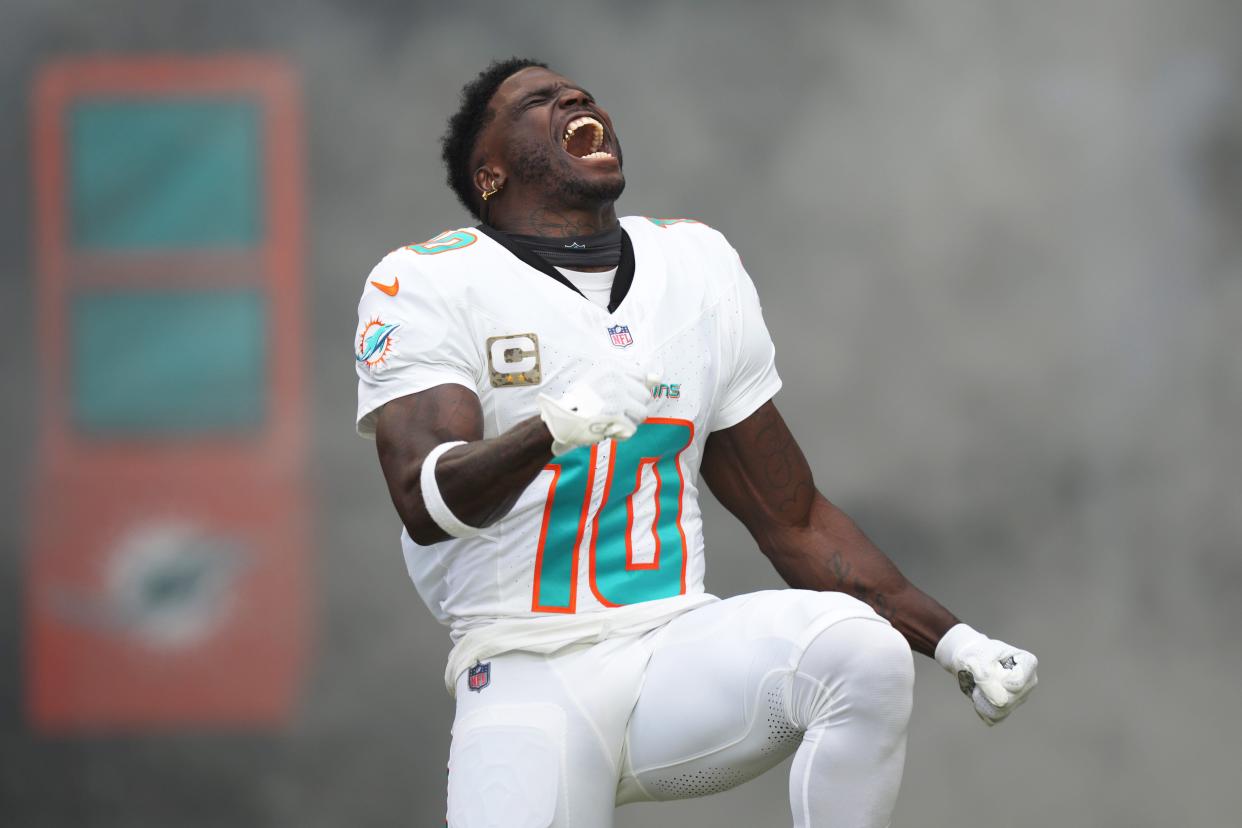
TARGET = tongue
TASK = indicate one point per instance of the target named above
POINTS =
(581, 142)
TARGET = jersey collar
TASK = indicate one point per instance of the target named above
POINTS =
(620, 283)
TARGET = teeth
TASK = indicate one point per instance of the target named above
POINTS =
(600, 154)
(578, 123)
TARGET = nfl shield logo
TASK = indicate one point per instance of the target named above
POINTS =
(620, 336)
(480, 676)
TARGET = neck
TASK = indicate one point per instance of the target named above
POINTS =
(554, 222)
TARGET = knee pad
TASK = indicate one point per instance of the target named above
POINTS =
(858, 667)
(506, 767)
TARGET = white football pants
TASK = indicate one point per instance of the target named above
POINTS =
(710, 700)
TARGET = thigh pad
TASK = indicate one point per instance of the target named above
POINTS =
(506, 767)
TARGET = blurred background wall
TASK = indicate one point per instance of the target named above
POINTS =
(999, 247)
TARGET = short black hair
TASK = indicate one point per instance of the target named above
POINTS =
(468, 121)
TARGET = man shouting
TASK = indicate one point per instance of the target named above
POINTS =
(548, 391)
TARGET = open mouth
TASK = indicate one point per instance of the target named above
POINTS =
(584, 139)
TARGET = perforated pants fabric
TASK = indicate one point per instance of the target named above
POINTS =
(712, 699)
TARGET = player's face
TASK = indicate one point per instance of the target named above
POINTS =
(555, 139)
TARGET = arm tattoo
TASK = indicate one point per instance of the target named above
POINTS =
(785, 474)
(839, 568)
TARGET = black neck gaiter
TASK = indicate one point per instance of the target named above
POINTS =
(573, 252)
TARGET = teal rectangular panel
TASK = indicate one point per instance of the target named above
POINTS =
(166, 364)
(165, 173)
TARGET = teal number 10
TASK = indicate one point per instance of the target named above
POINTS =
(615, 577)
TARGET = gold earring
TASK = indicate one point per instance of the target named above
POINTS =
(489, 193)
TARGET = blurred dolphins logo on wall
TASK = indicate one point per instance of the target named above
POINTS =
(375, 343)
(169, 584)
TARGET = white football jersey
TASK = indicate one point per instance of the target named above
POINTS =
(603, 527)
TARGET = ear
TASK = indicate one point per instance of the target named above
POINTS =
(488, 178)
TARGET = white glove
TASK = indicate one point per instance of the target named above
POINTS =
(608, 403)
(995, 675)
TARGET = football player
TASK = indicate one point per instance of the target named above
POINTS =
(548, 390)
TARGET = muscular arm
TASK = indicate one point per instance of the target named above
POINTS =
(759, 473)
(479, 481)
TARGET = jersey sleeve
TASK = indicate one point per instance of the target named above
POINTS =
(751, 378)
(410, 337)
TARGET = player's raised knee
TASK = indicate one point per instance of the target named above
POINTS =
(885, 656)
(859, 663)
(880, 674)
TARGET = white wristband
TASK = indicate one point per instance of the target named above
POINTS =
(952, 641)
(434, 501)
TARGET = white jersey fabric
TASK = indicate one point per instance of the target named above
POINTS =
(608, 538)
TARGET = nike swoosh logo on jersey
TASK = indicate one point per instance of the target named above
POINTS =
(392, 289)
